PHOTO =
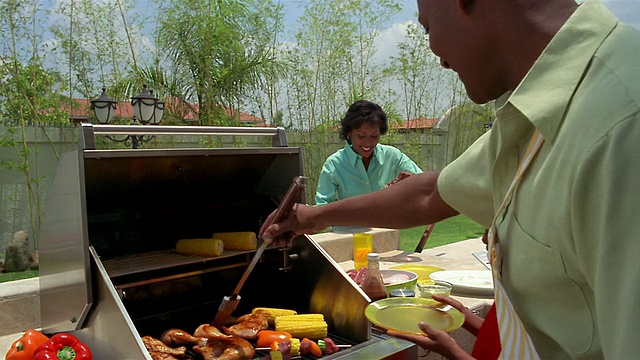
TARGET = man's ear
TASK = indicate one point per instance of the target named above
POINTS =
(465, 6)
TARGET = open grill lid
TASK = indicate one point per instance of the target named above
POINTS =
(127, 202)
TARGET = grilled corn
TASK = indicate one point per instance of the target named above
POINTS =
(239, 240)
(310, 326)
(204, 247)
(273, 313)
(295, 347)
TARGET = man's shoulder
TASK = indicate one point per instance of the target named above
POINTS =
(619, 56)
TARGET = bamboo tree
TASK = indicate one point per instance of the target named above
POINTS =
(330, 67)
(27, 89)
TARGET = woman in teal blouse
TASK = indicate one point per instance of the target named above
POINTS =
(363, 165)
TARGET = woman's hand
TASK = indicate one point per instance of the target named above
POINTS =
(440, 341)
(472, 322)
(403, 175)
(436, 340)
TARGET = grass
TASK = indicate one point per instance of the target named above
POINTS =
(448, 231)
(11, 276)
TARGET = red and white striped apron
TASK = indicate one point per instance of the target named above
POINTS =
(514, 340)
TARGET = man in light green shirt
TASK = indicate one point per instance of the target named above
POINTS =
(569, 235)
(571, 238)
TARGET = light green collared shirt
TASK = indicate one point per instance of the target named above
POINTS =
(570, 234)
(343, 174)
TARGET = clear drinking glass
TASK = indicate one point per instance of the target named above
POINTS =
(362, 245)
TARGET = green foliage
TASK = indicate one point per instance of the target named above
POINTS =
(27, 90)
(465, 123)
(419, 74)
(331, 63)
(222, 50)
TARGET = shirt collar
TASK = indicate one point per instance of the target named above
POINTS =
(545, 92)
(353, 156)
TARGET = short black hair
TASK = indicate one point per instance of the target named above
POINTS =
(360, 112)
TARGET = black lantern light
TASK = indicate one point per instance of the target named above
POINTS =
(144, 106)
(103, 107)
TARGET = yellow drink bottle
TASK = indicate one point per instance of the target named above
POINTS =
(362, 245)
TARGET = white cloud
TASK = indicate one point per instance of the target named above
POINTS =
(387, 42)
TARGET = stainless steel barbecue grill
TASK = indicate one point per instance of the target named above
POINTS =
(108, 269)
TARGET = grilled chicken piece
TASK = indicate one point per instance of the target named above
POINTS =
(157, 355)
(249, 325)
(177, 337)
(155, 345)
(226, 348)
(209, 332)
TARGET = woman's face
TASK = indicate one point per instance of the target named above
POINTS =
(364, 139)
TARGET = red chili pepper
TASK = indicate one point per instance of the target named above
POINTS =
(63, 346)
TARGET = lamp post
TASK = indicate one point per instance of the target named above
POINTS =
(147, 110)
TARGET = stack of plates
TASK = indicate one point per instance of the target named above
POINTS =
(423, 271)
(467, 282)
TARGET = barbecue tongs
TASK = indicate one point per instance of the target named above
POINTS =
(229, 303)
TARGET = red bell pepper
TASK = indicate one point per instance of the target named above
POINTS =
(267, 337)
(63, 346)
(25, 347)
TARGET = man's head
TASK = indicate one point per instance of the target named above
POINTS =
(491, 44)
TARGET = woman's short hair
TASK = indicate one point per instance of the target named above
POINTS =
(360, 112)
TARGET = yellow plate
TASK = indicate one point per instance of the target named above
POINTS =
(404, 314)
(423, 271)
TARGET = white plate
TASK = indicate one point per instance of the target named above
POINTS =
(473, 282)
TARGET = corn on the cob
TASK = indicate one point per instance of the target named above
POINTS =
(272, 313)
(204, 247)
(295, 347)
(310, 326)
(239, 240)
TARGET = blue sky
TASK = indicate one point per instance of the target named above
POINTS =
(392, 33)
(627, 10)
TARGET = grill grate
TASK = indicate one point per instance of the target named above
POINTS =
(151, 261)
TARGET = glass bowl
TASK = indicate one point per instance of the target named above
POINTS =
(428, 288)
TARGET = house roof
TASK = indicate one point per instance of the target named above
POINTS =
(420, 123)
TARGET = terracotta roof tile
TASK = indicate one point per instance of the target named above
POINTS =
(415, 124)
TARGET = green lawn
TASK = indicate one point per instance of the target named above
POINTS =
(4, 277)
(445, 232)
